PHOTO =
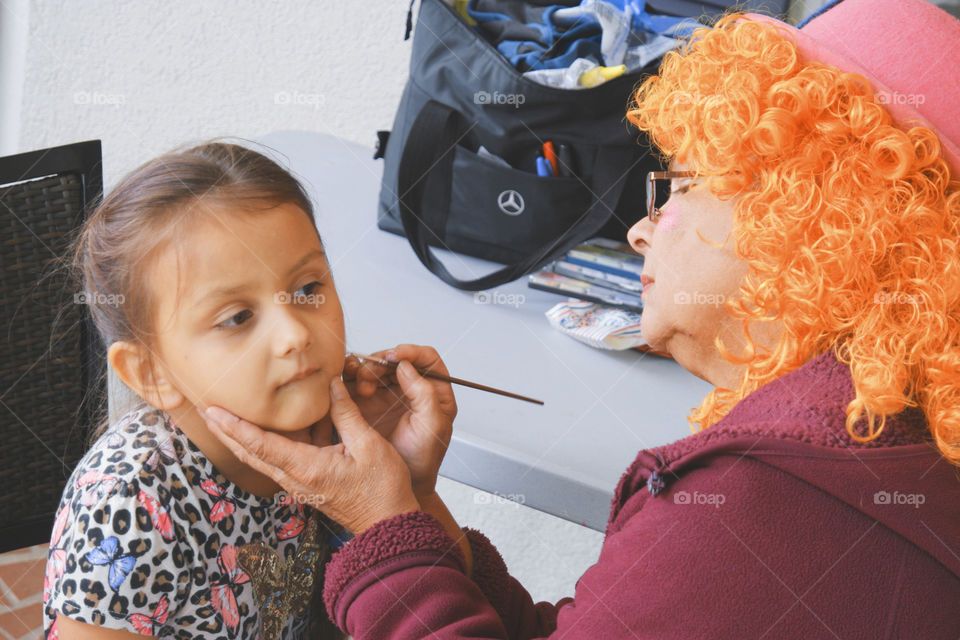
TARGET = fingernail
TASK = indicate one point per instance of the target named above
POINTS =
(392, 356)
(337, 389)
(219, 415)
(406, 369)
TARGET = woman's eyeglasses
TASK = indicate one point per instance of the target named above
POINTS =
(658, 190)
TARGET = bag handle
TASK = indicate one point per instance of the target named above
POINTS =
(428, 158)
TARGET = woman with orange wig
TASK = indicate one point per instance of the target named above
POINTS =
(815, 206)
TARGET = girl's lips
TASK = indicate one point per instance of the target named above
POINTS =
(301, 376)
(646, 288)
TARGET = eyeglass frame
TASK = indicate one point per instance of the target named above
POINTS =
(653, 212)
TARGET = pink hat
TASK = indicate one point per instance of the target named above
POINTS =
(908, 50)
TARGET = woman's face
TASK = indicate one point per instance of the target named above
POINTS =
(256, 307)
(683, 307)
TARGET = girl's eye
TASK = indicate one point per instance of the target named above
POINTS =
(235, 320)
(309, 289)
(307, 294)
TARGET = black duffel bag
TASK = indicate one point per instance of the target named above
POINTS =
(437, 190)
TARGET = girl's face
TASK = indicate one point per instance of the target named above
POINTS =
(256, 326)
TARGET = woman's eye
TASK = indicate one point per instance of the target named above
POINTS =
(235, 320)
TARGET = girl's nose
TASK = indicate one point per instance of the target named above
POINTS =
(290, 332)
(639, 235)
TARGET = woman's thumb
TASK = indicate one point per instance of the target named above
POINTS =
(351, 427)
(418, 390)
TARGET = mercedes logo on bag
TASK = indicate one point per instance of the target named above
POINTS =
(510, 202)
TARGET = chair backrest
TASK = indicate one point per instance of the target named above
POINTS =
(52, 361)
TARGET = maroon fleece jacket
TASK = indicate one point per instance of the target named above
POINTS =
(773, 523)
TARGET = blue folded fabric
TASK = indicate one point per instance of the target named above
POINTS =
(525, 33)
(536, 35)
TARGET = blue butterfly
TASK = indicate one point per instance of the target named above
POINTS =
(109, 553)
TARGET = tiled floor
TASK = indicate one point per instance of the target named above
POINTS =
(21, 590)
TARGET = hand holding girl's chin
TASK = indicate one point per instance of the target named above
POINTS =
(357, 483)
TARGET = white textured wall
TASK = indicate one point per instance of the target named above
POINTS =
(146, 76)
(14, 27)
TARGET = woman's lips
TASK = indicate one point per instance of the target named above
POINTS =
(646, 282)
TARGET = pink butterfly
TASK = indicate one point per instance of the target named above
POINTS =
(56, 560)
(223, 592)
(291, 528)
(56, 563)
(127, 419)
(59, 524)
(147, 625)
(293, 525)
(163, 453)
(54, 632)
(158, 513)
(224, 506)
(112, 440)
(96, 486)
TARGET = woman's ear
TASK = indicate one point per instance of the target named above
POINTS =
(132, 366)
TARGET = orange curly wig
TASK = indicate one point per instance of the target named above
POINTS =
(850, 225)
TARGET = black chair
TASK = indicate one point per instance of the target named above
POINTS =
(52, 362)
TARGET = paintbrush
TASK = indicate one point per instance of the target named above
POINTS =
(436, 376)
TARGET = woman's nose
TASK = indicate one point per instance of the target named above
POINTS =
(639, 235)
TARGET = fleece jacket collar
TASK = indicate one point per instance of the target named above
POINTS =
(796, 424)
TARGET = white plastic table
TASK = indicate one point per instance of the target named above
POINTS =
(601, 407)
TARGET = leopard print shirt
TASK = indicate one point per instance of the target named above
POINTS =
(146, 537)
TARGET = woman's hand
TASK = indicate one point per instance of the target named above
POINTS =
(415, 414)
(358, 482)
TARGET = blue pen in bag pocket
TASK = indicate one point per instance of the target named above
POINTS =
(543, 168)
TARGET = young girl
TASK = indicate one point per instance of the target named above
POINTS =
(207, 279)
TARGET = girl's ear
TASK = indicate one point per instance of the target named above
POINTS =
(132, 366)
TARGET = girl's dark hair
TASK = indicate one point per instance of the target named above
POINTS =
(153, 206)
